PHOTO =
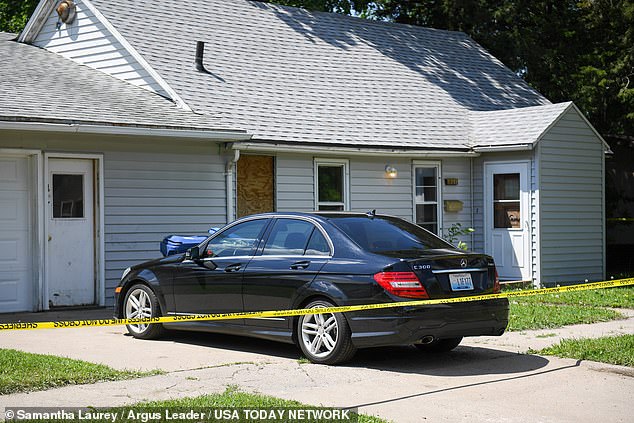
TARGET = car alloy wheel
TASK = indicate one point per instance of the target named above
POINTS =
(141, 303)
(325, 337)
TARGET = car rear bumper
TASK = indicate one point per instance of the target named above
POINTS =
(408, 325)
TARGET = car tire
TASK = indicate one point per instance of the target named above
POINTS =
(440, 345)
(325, 338)
(141, 302)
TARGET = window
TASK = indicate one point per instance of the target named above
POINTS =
(238, 240)
(288, 238)
(427, 195)
(387, 234)
(318, 245)
(331, 185)
(506, 200)
(68, 196)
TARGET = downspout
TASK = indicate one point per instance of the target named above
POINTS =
(229, 181)
(471, 195)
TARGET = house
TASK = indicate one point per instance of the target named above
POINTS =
(187, 118)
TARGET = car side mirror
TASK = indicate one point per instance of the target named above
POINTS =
(193, 254)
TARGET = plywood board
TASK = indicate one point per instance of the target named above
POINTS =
(255, 189)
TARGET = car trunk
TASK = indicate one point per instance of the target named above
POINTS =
(448, 275)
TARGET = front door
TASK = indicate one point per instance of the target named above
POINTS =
(71, 232)
(507, 216)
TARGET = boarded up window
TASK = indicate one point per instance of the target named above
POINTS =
(255, 185)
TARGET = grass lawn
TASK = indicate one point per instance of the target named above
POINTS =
(556, 310)
(611, 349)
(526, 316)
(22, 372)
(622, 297)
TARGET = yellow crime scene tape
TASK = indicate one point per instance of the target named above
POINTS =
(301, 312)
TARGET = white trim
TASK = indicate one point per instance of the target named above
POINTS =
(18, 152)
(345, 164)
(100, 272)
(537, 233)
(219, 135)
(135, 54)
(439, 208)
(349, 151)
(36, 21)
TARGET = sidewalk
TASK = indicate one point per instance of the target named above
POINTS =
(485, 379)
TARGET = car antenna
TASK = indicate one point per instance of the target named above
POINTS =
(371, 214)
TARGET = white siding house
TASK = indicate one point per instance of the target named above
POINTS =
(289, 111)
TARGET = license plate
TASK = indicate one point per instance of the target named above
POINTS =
(460, 281)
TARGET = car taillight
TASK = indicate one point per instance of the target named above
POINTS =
(403, 284)
(496, 283)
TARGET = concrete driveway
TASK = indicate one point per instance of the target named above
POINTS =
(485, 379)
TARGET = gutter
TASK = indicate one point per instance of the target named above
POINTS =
(349, 151)
(502, 148)
(80, 128)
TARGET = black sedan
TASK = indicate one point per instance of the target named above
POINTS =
(280, 261)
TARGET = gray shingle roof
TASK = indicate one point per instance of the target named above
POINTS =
(513, 126)
(286, 74)
(44, 87)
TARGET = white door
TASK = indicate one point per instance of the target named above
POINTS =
(16, 254)
(71, 232)
(507, 217)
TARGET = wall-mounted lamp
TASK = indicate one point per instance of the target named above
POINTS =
(391, 172)
(66, 10)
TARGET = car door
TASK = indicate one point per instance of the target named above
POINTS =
(213, 283)
(293, 254)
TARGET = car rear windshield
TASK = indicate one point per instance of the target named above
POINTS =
(388, 234)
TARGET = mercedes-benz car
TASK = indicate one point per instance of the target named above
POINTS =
(279, 261)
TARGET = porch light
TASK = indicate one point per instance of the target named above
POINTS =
(391, 172)
(66, 10)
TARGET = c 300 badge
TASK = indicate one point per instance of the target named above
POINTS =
(421, 266)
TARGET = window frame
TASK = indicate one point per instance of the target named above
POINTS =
(345, 165)
(518, 201)
(439, 209)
